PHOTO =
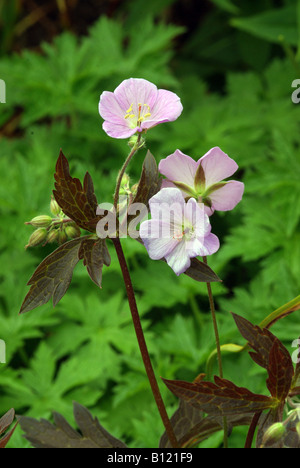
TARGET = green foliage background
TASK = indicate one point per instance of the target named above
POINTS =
(233, 74)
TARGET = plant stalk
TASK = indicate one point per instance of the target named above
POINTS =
(124, 167)
(218, 346)
(142, 344)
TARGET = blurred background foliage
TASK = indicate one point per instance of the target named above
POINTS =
(232, 63)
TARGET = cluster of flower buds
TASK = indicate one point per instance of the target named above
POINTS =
(126, 193)
(50, 229)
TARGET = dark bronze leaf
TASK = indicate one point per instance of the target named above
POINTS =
(43, 434)
(53, 276)
(221, 398)
(95, 254)
(200, 271)
(150, 181)
(76, 201)
(5, 422)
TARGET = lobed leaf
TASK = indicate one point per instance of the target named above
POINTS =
(94, 253)
(53, 276)
(261, 340)
(221, 398)
(280, 371)
(43, 434)
(76, 201)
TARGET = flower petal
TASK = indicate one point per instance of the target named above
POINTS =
(179, 167)
(227, 197)
(116, 130)
(135, 91)
(178, 259)
(168, 206)
(167, 108)
(217, 166)
(110, 109)
(157, 245)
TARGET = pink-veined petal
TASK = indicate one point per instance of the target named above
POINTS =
(116, 130)
(167, 108)
(228, 196)
(110, 109)
(135, 91)
(179, 167)
(217, 166)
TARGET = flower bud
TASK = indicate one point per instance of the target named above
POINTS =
(124, 187)
(62, 237)
(72, 231)
(52, 236)
(132, 141)
(134, 189)
(273, 434)
(54, 207)
(41, 221)
(37, 237)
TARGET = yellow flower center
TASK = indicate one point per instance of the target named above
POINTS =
(143, 113)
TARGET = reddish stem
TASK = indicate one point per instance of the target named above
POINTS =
(142, 344)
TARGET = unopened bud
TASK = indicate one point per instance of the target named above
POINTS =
(52, 236)
(273, 434)
(134, 189)
(54, 207)
(37, 237)
(132, 141)
(62, 237)
(72, 232)
(41, 221)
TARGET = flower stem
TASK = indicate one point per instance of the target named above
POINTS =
(217, 338)
(122, 171)
(251, 431)
(142, 344)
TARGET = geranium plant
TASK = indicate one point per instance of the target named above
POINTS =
(177, 199)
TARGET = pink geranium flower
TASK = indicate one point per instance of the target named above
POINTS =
(135, 106)
(204, 179)
(177, 231)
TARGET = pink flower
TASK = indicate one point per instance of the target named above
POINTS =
(135, 106)
(177, 231)
(203, 179)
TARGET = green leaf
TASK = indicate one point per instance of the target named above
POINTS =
(273, 25)
(53, 276)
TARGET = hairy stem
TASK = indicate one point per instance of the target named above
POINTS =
(217, 338)
(122, 171)
(142, 344)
